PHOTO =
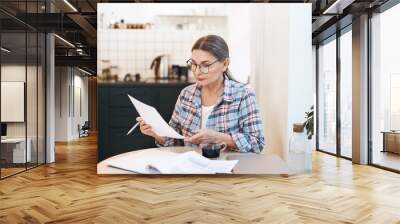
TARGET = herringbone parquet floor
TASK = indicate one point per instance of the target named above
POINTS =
(70, 191)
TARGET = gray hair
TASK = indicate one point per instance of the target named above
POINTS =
(216, 46)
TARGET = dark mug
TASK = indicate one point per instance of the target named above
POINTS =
(212, 150)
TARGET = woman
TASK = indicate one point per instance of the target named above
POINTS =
(216, 108)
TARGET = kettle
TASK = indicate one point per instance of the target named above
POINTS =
(160, 65)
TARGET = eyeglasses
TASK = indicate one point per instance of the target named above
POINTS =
(203, 68)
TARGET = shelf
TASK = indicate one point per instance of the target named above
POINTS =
(215, 16)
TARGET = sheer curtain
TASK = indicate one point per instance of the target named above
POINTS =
(281, 69)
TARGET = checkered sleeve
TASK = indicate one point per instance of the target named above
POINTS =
(250, 137)
(174, 123)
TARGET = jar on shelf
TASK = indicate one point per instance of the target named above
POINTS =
(300, 153)
(114, 73)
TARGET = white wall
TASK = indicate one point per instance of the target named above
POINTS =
(282, 69)
(68, 81)
(238, 40)
(61, 103)
(301, 79)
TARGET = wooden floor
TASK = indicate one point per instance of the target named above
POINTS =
(387, 159)
(70, 191)
(10, 171)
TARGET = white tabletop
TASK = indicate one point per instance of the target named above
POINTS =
(249, 163)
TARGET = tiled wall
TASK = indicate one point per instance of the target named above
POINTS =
(133, 50)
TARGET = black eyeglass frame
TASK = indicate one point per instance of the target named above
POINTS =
(190, 64)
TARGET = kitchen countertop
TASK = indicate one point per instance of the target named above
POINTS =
(150, 82)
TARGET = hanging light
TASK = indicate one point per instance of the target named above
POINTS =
(84, 71)
(5, 50)
(70, 5)
(64, 40)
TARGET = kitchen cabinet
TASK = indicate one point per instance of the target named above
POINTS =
(116, 114)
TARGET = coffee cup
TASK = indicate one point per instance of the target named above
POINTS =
(212, 150)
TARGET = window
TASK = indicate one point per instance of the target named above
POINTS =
(327, 96)
(22, 74)
(385, 88)
(334, 138)
(346, 93)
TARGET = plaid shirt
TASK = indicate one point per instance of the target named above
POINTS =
(236, 113)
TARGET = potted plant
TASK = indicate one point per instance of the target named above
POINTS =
(309, 126)
(309, 123)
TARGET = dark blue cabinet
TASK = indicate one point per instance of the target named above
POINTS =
(116, 114)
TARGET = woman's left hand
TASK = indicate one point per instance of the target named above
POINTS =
(205, 136)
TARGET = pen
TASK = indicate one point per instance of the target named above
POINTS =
(133, 128)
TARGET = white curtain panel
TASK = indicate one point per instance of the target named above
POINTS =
(281, 69)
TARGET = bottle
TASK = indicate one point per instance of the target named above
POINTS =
(122, 24)
(300, 154)
(113, 20)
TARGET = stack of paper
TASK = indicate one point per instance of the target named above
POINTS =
(152, 161)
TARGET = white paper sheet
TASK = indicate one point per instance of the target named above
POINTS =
(210, 166)
(139, 161)
(150, 161)
(192, 163)
(151, 116)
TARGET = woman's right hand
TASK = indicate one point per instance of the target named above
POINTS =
(145, 128)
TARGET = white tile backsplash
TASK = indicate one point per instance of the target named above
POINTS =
(133, 50)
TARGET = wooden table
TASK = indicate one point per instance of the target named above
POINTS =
(249, 163)
(391, 141)
(15, 149)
